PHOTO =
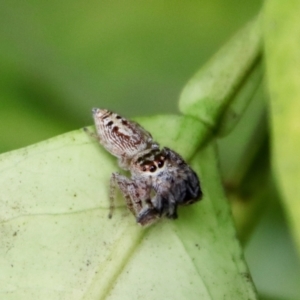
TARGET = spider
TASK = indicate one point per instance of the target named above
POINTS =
(160, 178)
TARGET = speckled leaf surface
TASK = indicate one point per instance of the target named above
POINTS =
(57, 242)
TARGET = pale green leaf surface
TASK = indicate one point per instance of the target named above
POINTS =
(57, 242)
(282, 36)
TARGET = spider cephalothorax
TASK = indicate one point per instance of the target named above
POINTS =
(160, 178)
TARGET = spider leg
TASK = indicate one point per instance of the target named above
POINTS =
(135, 192)
(147, 216)
(126, 187)
(162, 205)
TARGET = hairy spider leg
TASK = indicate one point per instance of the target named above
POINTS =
(135, 193)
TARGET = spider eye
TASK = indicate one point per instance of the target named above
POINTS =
(152, 169)
(160, 163)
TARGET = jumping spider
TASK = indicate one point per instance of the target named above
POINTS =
(160, 179)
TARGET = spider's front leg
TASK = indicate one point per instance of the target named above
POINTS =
(136, 194)
(125, 186)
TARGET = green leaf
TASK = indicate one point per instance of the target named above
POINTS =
(209, 93)
(282, 36)
(219, 95)
(57, 242)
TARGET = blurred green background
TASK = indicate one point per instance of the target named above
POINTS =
(58, 59)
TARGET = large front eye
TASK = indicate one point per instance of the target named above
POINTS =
(152, 169)
(160, 163)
